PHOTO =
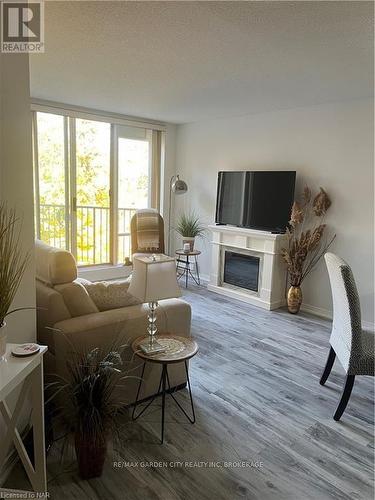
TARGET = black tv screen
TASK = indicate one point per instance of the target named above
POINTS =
(257, 200)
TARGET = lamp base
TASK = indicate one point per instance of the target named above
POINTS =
(151, 347)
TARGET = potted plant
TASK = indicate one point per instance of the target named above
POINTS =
(305, 246)
(12, 267)
(90, 405)
(189, 227)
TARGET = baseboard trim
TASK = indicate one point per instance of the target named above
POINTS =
(327, 314)
(244, 297)
(314, 310)
(204, 277)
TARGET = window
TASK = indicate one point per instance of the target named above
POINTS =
(91, 200)
(51, 210)
(90, 177)
(134, 181)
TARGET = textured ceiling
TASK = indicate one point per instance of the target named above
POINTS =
(189, 61)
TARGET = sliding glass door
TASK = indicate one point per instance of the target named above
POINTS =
(133, 181)
(91, 192)
(90, 177)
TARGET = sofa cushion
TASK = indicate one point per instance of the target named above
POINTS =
(76, 299)
(51, 309)
(54, 265)
(111, 294)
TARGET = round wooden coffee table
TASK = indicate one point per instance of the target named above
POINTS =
(177, 350)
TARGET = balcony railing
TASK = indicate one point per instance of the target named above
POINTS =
(93, 232)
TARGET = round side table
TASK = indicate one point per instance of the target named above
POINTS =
(185, 265)
(177, 350)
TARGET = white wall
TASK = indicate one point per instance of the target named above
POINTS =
(16, 187)
(328, 145)
(16, 178)
(168, 171)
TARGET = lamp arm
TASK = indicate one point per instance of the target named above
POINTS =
(169, 213)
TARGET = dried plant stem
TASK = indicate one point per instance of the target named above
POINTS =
(318, 255)
(317, 250)
(12, 261)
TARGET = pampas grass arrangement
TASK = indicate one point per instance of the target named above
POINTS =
(305, 235)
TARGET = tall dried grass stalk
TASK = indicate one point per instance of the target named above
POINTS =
(13, 261)
(88, 399)
(306, 246)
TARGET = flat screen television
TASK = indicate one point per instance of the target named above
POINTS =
(258, 200)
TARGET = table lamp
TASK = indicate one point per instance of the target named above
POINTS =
(153, 279)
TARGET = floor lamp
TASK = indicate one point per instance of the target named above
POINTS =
(177, 186)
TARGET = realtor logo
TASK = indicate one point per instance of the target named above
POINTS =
(22, 27)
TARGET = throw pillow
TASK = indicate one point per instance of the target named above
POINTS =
(76, 299)
(111, 294)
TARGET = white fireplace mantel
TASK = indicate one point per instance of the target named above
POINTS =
(262, 244)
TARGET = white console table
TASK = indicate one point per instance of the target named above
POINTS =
(24, 374)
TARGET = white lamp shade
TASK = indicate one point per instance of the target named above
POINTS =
(154, 278)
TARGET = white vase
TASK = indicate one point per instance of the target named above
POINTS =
(3, 341)
(189, 240)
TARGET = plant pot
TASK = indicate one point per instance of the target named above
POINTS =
(294, 299)
(188, 239)
(90, 456)
(3, 341)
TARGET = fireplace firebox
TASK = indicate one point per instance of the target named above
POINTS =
(241, 270)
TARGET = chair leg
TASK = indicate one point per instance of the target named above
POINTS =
(345, 397)
(328, 367)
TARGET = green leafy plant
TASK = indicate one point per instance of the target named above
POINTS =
(189, 226)
(13, 261)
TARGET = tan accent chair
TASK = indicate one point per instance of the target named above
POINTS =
(135, 248)
(67, 319)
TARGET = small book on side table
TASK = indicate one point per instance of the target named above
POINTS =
(153, 348)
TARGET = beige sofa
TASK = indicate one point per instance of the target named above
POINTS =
(68, 319)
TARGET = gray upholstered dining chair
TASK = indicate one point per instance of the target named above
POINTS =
(353, 346)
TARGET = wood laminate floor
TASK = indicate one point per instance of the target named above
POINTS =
(257, 397)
